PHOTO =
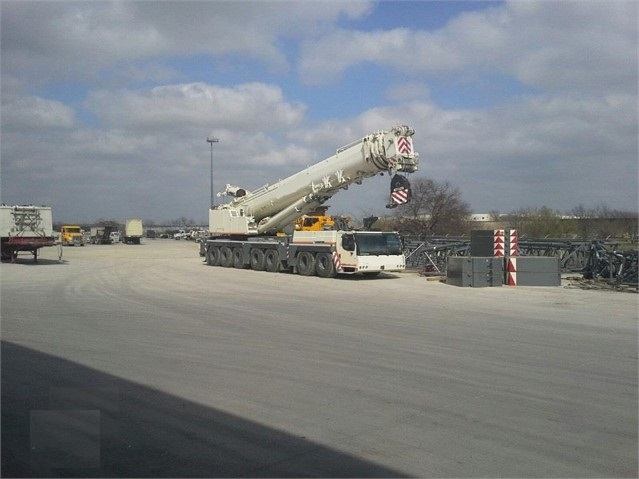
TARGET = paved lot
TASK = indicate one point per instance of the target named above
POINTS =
(141, 361)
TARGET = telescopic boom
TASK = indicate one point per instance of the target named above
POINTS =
(271, 208)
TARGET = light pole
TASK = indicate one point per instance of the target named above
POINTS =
(211, 141)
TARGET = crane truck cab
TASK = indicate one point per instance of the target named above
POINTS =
(368, 252)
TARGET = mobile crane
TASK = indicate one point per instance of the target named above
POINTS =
(248, 232)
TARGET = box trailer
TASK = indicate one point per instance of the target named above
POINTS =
(133, 231)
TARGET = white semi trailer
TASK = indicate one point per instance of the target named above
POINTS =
(25, 228)
(247, 232)
(133, 231)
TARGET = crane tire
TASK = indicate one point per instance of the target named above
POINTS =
(238, 260)
(256, 258)
(306, 263)
(213, 256)
(226, 257)
(272, 260)
(324, 266)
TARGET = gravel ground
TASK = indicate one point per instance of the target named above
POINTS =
(141, 361)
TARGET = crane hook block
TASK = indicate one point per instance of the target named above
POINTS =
(400, 191)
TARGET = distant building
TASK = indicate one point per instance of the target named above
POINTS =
(480, 217)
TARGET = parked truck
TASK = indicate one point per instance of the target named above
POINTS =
(102, 234)
(25, 228)
(249, 231)
(71, 235)
(133, 231)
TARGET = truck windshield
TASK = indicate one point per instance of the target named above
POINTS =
(378, 244)
(73, 230)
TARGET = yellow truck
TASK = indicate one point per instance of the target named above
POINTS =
(71, 235)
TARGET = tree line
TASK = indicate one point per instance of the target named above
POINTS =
(438, 209)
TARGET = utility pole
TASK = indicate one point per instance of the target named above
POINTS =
(211, 141)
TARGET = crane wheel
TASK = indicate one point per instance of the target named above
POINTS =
(226, 257)
(213, 256)
(324, 266)
(272, 260)
(238, 260)
(257, 259)
(306, 263)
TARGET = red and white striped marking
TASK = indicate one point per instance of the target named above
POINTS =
(336, 262)
(511, 271)
(400, 196)
(405, 145)
(498, 243)
(513, 244)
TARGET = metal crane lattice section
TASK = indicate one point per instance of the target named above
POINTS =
(27, 220)
(593, 259)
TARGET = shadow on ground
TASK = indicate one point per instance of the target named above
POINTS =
(61, 419)
(28, 261)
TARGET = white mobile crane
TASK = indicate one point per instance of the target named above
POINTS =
(248, 231)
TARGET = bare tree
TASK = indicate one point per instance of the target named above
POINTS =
(602, 221)
(103, 222)
(435, 208)
(541, 222)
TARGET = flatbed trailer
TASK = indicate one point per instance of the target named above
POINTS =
(13, 245)
(25, 228)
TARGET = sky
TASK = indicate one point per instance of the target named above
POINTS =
(107, 106)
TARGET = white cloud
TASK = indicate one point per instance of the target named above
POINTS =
(81, 39)
(578, 44)
(574, 139)
(246, 107)
(73, 38)
(30, 112)
(548, 149)
(554, 45)
(554, 150)
(408, 91)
